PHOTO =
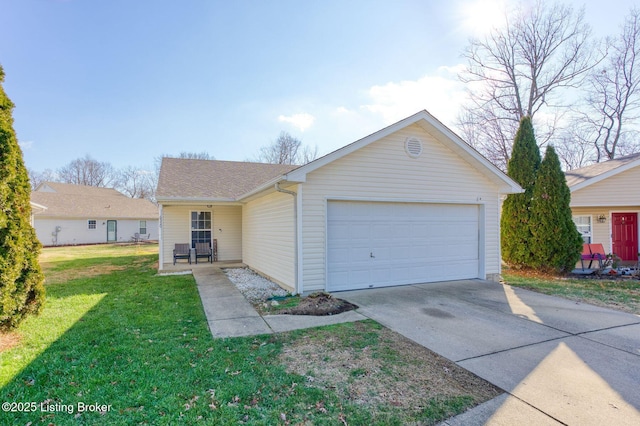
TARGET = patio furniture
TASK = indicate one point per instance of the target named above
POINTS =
(204, 250)
(181, 251)
(592, 252)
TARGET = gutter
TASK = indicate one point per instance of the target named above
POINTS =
(295, 230)
(194, 200)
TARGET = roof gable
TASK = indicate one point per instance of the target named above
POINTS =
(585, 176)
(189, 180)
(431, 125)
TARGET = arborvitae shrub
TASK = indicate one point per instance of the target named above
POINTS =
(556, 243)
(21, 280)
(515, 232)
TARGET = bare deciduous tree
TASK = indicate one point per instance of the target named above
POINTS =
(87, 171)
(287, 150)
(204, 155)
(136, 183)
(36, 178)
(521, 70)
(613, 97)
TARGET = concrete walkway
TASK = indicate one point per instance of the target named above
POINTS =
(560, 362)
(229, 314)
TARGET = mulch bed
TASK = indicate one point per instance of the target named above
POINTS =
(319, 304)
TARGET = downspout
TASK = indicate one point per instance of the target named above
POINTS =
(295, 230)
(160, 239)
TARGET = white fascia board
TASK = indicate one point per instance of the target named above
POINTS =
(37, 206)
(194, 200)
(267, 185)
(467, 152)
(604, 175)
(300, 174)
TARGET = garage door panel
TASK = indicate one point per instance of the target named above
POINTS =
(410, 243)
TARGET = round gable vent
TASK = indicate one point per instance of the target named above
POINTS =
(413, 147)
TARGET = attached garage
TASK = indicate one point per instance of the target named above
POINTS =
(377, 244)
(410, 203)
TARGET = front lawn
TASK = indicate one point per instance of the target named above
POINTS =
(622, 293)
(116, 344)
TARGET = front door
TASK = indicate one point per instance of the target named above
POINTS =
(112, 231)
(624, 235)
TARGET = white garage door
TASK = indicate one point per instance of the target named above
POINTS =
(374, 244)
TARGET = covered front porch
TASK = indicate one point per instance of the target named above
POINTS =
(200, 223)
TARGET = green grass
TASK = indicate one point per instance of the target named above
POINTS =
(622, 294)
(112, 333)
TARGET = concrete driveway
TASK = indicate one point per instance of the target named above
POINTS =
(560, 362)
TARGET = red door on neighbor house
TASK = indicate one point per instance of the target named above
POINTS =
(624, 235)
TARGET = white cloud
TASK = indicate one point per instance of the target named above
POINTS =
(25, 145)
(441, 94)
(300, 121)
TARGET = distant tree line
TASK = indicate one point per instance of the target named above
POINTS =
(139, 182)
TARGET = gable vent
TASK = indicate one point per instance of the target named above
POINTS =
(413, 147)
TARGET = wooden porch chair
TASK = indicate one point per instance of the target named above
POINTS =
(204, 250)
(181, 251)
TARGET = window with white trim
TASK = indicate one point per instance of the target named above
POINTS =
(200, 228)
(583, 224)
(91, 224)
(143, 226)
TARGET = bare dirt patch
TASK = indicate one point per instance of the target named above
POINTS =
(389, 372)
(9, 340)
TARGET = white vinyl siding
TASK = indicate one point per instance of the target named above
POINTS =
(613, 191)
(382, 171)
(74, 231)
(226, 228)
(268, 237)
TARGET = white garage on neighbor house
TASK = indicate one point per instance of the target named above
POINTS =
(411, 203)
(68, 214)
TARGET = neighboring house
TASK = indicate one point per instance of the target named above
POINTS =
(78, 214)
(410, 203)
(605, 202)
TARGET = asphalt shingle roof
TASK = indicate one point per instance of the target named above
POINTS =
(81, 201)
(213, 179)
(577, 176)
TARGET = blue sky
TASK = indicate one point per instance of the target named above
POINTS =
(126, 81)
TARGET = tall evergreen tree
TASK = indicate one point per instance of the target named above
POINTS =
(556, 242)
(21, 280)
(515, 233)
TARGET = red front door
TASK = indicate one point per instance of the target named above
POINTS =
(625, 235)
